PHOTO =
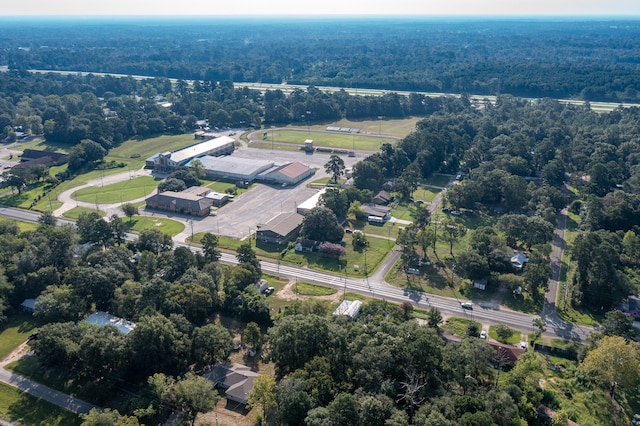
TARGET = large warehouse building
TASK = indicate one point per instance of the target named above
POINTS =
(249, 170)
(168, 161)
(233, 168)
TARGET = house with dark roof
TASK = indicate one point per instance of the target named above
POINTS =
(376, 210)
(382, 198)
(190, 201)
(34, 157)
(281, 229)
(236, 380)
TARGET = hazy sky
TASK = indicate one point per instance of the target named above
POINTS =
(321, 7)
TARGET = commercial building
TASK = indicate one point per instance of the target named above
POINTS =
(192, 201)
(281, 229)
(310, 203)
(288, 174)
(234, 169)
(168, 161)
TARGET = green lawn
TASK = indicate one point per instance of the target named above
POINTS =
(307, 289)
(458, 326)
(167, 226)
(330, 140)
(354, 262)
(75, 212)
(514, 339)
(21, 408)
(134, 152)
(425, 194)
(117, 192)
(15, 332)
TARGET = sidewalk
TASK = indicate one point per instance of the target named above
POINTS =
(38, 390)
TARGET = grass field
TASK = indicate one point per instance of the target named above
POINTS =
(118, 192)
(134, 152)
(458, 326)
(75, 212)
(307, 289)
(24, 409)
(15, 332)
(167, 226)
(330, 140)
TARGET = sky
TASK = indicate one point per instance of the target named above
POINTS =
(320, 7)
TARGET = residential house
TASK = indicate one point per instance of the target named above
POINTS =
(104, 318)
(480, 284)
(371, 209)
(236, 380)
(281, 229)
(28, 305)
(518, 260)
(382, 198)
(307, 246)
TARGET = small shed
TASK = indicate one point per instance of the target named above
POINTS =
(28, 305)
(480, 284)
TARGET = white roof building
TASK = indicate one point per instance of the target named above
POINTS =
(104, 318)
(310, 203)
(170, 160)
(350, 308)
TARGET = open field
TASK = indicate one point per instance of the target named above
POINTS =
(75, 212)
(330, 140)
(118, 192)
(167, 226)
(134, 152)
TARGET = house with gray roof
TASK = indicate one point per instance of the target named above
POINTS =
(281, 229)
(236, 380)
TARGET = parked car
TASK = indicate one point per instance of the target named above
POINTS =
(483, 334)
(466, 305)
(414, 271)
(269, 291)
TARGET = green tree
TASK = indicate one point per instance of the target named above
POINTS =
(263, 395)
(359, 241)
(503, 332)
(334, 167)
(425, 238)
(47, 219)
(195, 394)
(211, 343)
(320, 224)
(434, 317)
(108, 417)
(210, 247)
(129, 210)
(451, 232)
(252, 335)
(154, 240)
(614, 363)
(541, 325)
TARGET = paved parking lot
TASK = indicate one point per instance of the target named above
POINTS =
(257, 206)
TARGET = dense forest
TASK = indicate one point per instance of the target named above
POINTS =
(591, 60)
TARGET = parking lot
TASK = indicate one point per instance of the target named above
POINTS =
(263, 202)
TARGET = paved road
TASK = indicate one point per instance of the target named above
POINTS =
(38, 390)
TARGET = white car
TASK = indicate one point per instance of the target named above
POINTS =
(483, 334)
(467, 305)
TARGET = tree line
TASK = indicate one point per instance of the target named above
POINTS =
(533, 58)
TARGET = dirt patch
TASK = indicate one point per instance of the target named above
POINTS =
(287, 293)
(17, 353)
